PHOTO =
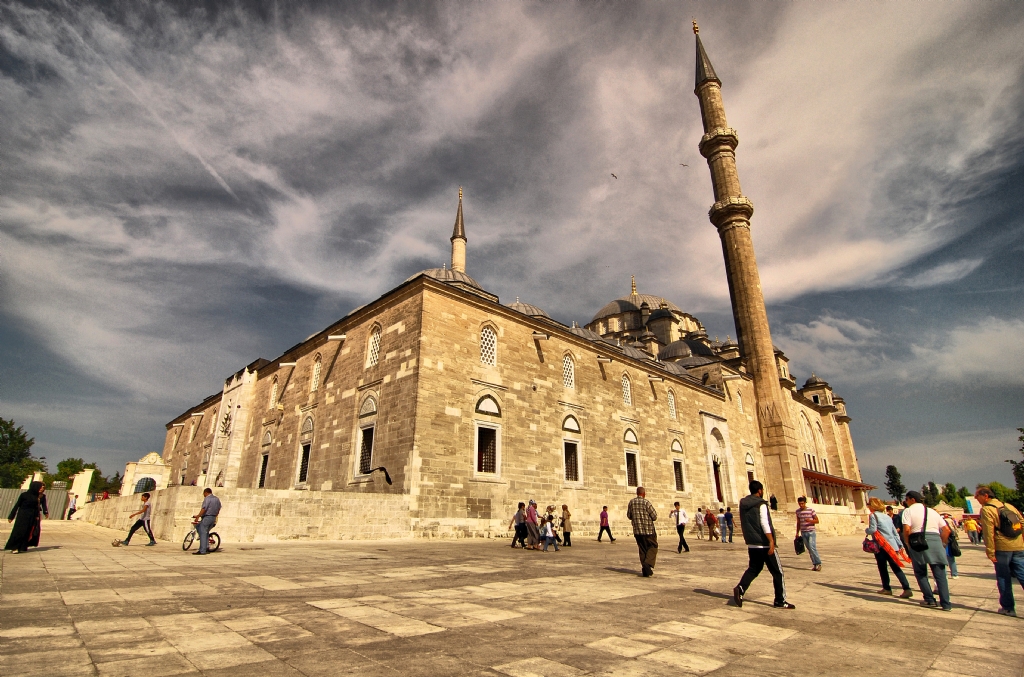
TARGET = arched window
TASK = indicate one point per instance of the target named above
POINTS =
(145, 484)
(632, 458)
(570, 424)
(678, 471)
(739, 400)
(273, 393)
(314, 383)
(568, 372)
(488, 405)
(627, 391)
(268, 439)
(369, 407)
(373, 348)
(488, 347)
(305, 448)
(671, 405)
(630, 437)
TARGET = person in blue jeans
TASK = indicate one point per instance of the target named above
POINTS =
(730, 521)
(206, 519)
(1007, 553)
(806, 518)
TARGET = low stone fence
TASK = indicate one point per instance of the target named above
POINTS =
(261, 515)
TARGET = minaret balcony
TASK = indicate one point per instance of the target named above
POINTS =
(723, 210)
(716, 138)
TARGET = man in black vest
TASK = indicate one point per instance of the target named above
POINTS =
(759, 534)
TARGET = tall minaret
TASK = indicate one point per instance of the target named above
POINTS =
(459, 240)
(731, 215)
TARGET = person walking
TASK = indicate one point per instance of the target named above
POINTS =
(642, 514)
(680, 519)
(890, 553)
(730, 521)
(549, 533)
(206, 519)
(144, 521)
(566, 526)
(72, 505)
(759, 535)
(604, 525)
(27, 515)
(952, 545)
(1004, 549)
(698, 524)
(519, 524)
(723, 531)
(971, 527)
(806, 518)
(532, 527)
(712, 522)
(920, 519)
(773, 503)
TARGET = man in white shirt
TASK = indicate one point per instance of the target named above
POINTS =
(681, 519)
(917, 519)
(699, 522)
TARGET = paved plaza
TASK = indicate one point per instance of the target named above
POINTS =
(77, 606)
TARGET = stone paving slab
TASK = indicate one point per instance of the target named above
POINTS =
(77, 606)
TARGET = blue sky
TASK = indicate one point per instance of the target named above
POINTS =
(185, 190)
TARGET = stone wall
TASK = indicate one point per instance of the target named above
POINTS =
(260, 515)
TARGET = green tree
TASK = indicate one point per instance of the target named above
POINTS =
(16, 460)
(951, 496)
(931, 494)
(894, 483)
(1018, 466)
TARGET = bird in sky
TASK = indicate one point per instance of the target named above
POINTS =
(614, 177)
(683, 165)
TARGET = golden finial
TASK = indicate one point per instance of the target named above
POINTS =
(696, 28)
(460, 193)
(632, 279)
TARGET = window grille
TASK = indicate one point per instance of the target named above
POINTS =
(373, 351)
(627, 391)
(145, 484)
(366, 451)
(632, 479)
(304, 464)
(369, 407)
(677, 467)
(568, 372)
(486, 450)
(671, 405)
(488, 347)
(572, 462)
(315, 382)
(263, 470)
(273, 394)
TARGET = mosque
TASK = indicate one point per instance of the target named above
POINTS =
(464, 406)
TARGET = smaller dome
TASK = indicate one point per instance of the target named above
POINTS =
(694, 361)
(674, 350)
(673, 368)
(528, 309)
(447, 275)
(815, 381)
(661, 314)
(635, 353)
(583, 332)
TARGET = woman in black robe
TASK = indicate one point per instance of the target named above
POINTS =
(27, 517)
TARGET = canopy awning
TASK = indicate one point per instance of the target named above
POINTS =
(824, 478)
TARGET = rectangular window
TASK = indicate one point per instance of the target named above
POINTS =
(815, 399)
(486, 450)
(263, 470)
(304, 463)
(632, 479)
(677, 467)
(824, 466)
(366, 451)
(572, 462)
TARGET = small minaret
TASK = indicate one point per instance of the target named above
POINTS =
(459, 240)
(731, 216)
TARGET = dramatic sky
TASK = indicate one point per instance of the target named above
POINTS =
(185, 188)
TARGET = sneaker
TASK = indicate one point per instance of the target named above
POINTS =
(948, 607)
(930, 604)
(906, 594)
(816, 567)
(737, 595)
(885, 592)
(955, 576)
(153, 543)
(784, 605)
(1006, 612)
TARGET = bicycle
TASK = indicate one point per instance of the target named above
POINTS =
(191, 536)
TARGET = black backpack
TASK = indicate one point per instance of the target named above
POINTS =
(1009, 522)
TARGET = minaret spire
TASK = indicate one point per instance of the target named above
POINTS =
(632, 282)
(459, 240)
(731, 215)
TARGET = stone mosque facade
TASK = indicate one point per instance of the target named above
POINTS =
(468, 405)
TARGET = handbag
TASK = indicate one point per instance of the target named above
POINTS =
(870, 545)
(953, 546)
(798, 543)
(919, 542)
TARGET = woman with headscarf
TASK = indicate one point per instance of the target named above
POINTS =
(27, 516)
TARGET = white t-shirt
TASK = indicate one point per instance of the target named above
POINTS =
(914, 518)
(682, 518)
(147, 512)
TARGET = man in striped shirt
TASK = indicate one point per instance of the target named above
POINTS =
(806, 518)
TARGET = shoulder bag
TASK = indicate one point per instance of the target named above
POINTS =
(919, 542)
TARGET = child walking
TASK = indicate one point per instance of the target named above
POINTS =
(143, 521)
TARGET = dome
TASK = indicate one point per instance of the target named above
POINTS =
(447, 275)
(661, 314)
(694, 361)
(674, 350)
(673, 368)
(815, 381)
(698, 347)
(632, 303)
(586, 333)
(528, 309)
(636, 354)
